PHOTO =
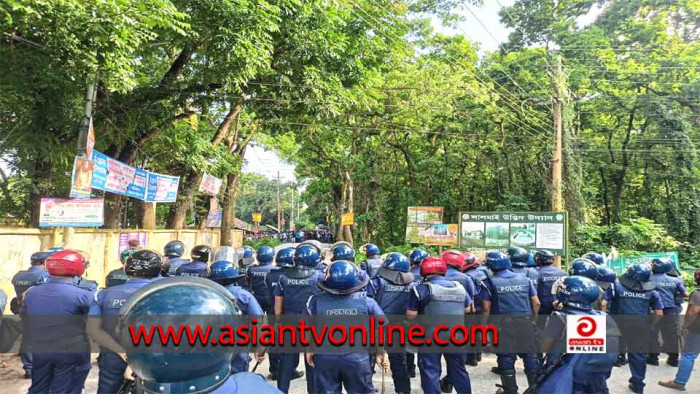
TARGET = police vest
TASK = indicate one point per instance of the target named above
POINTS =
(112, 301)
(256, 277)
(298, 290)
(23, 280)
(372, 266)
(667, 287)
(630, 302)
(116, 277)
(271, 281)
(509, 296)
(175, 263)
(445, 300)
(547, 276)
(392, 298)
(528, 273)
(463, 279)
(416, 274)
(331, 305)
(195, 268)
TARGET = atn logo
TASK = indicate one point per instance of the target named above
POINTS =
(585, 333)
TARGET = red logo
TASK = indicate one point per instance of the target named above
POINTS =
(586, 326)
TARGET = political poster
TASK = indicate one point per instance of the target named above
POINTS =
(124, 239)
(442, 235)
(214, 219)
(81, 180)
(210, 185)
(419, 221)
(479, 231)
(162, 188)
(116, 177)
(55, 212)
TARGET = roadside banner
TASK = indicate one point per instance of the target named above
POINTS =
(620, 264)
(419, 220)
(442, 235)
(116, 177)
(55, 212)
(81, 181)
(500, 230)
(347, 219)
(162, 188)
(210, 185)
(124, 239)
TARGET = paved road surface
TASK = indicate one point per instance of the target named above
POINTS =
(483, 380)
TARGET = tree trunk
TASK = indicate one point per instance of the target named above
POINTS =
(178, 212)
(146, 214)
(41, 183)
(228, 208)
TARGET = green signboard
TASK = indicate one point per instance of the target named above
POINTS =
(479, 231)
(620, 264)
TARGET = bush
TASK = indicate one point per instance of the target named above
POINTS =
(631, 238)
(263, 242)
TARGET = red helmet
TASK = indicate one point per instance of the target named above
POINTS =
(453, 258)
(470, 261)
(65, 263)
(433, 266)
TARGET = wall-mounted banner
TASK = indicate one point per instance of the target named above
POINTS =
(162, 188)
(124, 239)
(442, 235)
(81, 181)
(116, 177)
(420, 219)
(210, 185)
(499, 230)
(55, 212)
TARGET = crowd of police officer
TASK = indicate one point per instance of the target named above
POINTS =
(297, 281)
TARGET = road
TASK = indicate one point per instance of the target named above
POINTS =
(483, 381)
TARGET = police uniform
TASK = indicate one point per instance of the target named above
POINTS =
(296, 292)
(249, 307)
(528, 272)
(350, 370)
(547, 275)
(58, 372)
(271, 280)
(439, 296)
(106, 305)
(626, 301)
(245, 382)
(116, 277)
(256, 282)
(510, 294)
(193, 268)
(175, 263)
(478, 274)
(668, 288)
(371, 266)
(21, 282)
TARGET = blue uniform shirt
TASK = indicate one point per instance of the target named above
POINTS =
(109, 301)
(464, 279)
(654, 302)
(373, 308)
(195, 268)
(486, 296)
(420, 296)
(175, 263)
(23, 280)
(245, 301)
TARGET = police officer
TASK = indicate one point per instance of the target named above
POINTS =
(343, 293)
(605, 278)
(283, 260)
(633, 295)
(508, 293)
(173, 251)
(292, 292)
(224, 272)
(518, 258)
(198, 266)
(547, 275)
(595, 257)
(580, 373)
(141, 268)
(247, 260)
(668, 288)
(256, 274)
(373, 262)
(584, 267)
(391, 289)
(478, 273)
(437, 296)
(455, 264)
(342, 251)
(118, 276)
(416, 257)
(22, 281)
(171, 372)
(55, 370)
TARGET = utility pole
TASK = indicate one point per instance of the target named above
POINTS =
(556, 204)
(279, 214)
(90, 97)
(291, 214)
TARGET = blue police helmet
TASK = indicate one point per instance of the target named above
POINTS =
(186, 299)
(577, 291)
(341, 275)
(266, 254)
(497, 260)
(343, 252)
(174, 249)
(639, 272)
(39, 258)
(285, 257)
(544, 257)
(223, 272)
(417, 256)
(56, 249)
(662, 265)
(518, 256)
(584, 267)
(530, 260)
(396, 262)
(371, 250)
(595, 257)
(306, 256)
(248, 251)
(606, 277)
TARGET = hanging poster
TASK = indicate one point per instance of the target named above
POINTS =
(442, 235)
(257, 217)
(479, 231)
(214, 219)
(162, 188)
(90, 143)
(116, 177)
(210, 185)
(55, 212)
(419, 220)
(347, 219)
(81, 181)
